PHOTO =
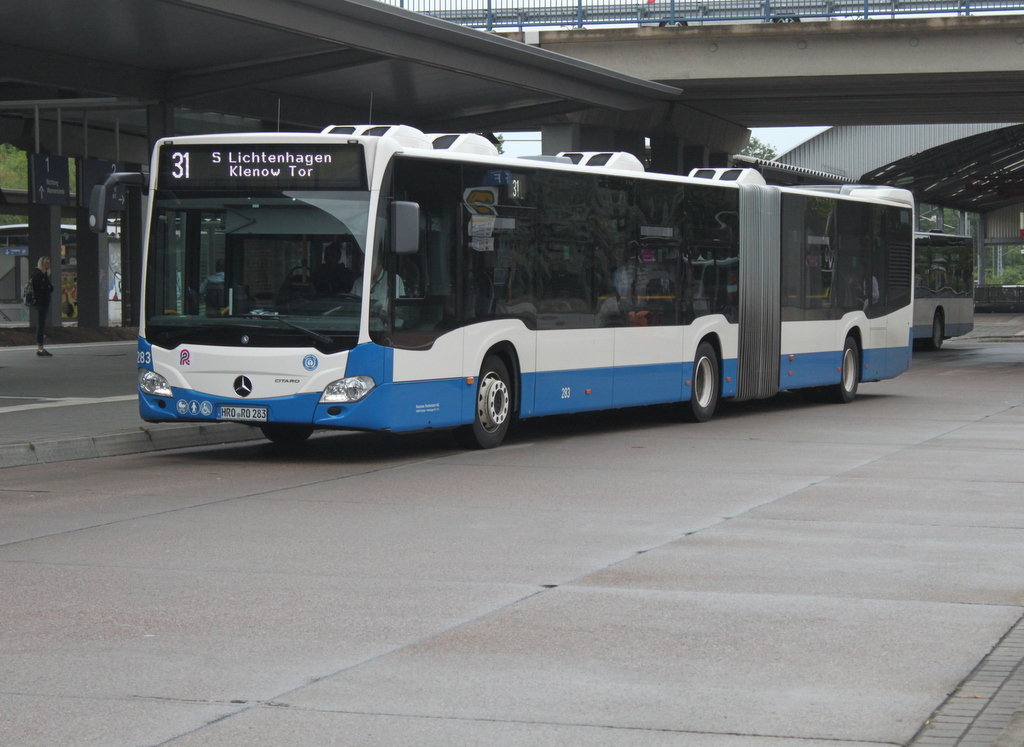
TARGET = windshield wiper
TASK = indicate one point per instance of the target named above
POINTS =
(180, 334)
(322, 339)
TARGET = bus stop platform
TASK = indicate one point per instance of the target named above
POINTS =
(82, 402)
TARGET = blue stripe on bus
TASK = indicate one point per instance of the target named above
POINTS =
(955, 330)
(407, 406)
(419, 405)
(823, 369)
(145, 354)
(626, 386)
(811, 369)
(950, 330)
(190, 406)
(372, 360)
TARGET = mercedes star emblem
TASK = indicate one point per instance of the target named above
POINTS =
(243, 386)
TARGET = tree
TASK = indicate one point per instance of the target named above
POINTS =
(757, 149)
(13, 175)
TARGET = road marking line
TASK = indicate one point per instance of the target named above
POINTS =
(68, 402)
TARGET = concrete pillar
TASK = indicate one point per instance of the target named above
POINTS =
(559, 138)
(44, 241)
(981, 248)
(666, 154)
(575, 137)
(159, 122)
(93, 265)
(720, 160)
(631, 141)
(132, 220)
(695, 157)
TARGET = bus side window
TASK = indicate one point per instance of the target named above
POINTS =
(423, 287)
(712, 250)
(819, 256)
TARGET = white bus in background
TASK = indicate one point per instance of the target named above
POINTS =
(377, 278)
(15, 271)
(943, 288)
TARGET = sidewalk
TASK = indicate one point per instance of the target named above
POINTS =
(997, 327)
(82, 403)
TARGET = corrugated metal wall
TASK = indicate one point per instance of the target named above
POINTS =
(1004, 224)
(854, 150)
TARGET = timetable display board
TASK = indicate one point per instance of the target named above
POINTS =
(271, 167)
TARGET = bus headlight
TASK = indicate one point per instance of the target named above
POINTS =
(153, 383)
(350, 389)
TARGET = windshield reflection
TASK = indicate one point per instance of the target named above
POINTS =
(222, 263)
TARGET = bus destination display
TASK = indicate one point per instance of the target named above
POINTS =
(269, 167)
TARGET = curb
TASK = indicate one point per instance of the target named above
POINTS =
(130, 442)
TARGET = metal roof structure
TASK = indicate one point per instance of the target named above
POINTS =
(982, 173)
(254, 64)
(852, 150)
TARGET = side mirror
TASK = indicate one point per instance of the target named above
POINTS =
(103, 194)
(405, 227)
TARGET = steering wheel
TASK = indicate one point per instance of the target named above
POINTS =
(339, 309)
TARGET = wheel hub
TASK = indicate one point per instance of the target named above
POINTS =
(492, 402)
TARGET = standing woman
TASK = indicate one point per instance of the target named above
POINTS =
(42, 289)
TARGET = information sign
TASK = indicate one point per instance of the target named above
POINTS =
(91, 173)
(51, 183)
(262, 167)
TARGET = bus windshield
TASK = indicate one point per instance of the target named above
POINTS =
(275, 269)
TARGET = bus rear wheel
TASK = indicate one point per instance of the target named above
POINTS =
(493, 411)
(287, 434)
(705, 389)
(849, 377)
(938, 332)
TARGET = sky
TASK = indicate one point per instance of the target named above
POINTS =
(782, 139)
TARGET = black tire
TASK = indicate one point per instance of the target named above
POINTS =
(938, 332)
(493, 413)
(706, 385)
(288, 435)
(849, 377)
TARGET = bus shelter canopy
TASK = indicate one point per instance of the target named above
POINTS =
(300, 65)
(980, 173)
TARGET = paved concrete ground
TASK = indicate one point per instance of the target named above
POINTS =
(83, 403)
(787, 574)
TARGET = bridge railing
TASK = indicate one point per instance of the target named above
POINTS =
(1006, 299)
(491, 14)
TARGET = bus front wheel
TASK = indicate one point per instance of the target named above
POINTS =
(493, 411)
(704, 391)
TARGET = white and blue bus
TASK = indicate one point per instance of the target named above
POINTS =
(943, 288)
(377, 278)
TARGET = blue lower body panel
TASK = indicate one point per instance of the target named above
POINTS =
(191, 406)
(810, 369)
(422, 405)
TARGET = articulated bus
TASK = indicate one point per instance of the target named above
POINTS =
(377, 278)
(943, 288)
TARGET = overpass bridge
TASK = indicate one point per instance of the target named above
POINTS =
(495, 14)
(905, 71)
(942, 70)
